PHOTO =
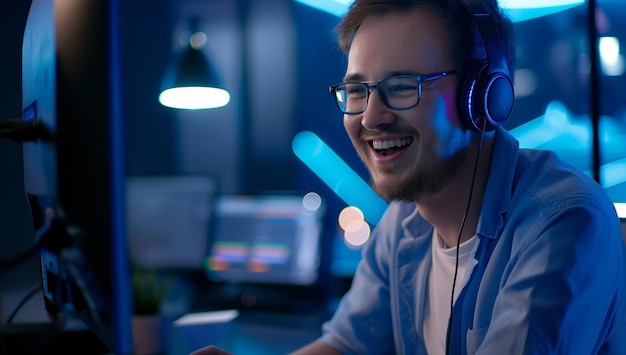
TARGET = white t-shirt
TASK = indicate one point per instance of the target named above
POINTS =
(440, 279)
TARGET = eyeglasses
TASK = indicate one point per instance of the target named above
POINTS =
(399, 92)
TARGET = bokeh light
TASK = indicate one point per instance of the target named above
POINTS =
(311, 202)
(356, 231)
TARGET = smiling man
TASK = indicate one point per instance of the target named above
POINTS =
(526, 247)
(485, 248)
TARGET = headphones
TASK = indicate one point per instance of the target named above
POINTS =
(485, 98)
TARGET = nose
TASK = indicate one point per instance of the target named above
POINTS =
(377, 113)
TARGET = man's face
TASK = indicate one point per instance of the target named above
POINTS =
(429, 141)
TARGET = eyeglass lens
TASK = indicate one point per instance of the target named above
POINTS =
(396, 92)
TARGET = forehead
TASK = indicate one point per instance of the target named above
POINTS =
(415, 41)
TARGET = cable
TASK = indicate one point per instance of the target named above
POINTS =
(23, 301)
(458, 241)
(80, 282)
(24, 131)
(52, 236)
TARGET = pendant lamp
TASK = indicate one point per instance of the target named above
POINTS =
(191, 82)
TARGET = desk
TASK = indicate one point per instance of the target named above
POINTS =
(260, 333)
(252, 332)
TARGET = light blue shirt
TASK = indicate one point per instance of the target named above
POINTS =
(547, 275)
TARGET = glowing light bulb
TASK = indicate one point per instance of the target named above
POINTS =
(194, 97)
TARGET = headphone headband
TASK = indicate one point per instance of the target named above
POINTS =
(490, 34)
(486, 94)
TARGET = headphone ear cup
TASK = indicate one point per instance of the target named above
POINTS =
(470, 92)
(485, 99)
(498, 98)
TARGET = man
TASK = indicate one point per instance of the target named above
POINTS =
(527, 248)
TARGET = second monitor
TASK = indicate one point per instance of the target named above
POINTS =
(266, 239)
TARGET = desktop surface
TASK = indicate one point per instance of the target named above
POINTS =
(263, 332)
(256, 330)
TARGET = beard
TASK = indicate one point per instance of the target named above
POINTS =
(428, 178)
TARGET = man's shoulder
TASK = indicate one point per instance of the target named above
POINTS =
(546, 182)
(544, 170)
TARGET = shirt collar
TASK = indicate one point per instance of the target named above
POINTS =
(499, 187)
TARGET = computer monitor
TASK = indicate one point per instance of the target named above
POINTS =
(74, 178)
(268, 239)
(265, 253)
(169, 220)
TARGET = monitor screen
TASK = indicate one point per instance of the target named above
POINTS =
(266, 239)
(169, 219)
(74, 175)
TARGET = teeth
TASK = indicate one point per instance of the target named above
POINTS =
(391, 143)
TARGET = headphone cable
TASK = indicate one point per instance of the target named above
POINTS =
(458, 241)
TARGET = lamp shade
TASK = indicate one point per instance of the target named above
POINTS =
(191, 83)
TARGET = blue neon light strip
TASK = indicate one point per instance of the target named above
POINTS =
(613, 173)
(333, 7)
(517, 10)
(517, 13)
(558, 125)
(335, 173)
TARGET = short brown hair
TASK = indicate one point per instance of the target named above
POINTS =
(468, 43)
